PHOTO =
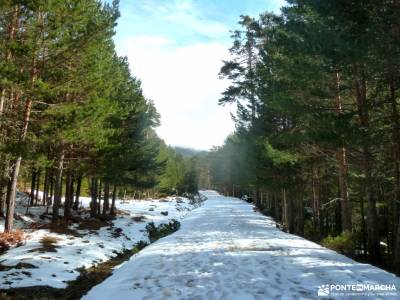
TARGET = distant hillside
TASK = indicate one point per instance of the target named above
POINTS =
(188, 152)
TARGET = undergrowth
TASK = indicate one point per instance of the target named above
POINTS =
(343, 243)
(157, 232)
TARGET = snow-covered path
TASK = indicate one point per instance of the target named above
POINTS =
(225, 250)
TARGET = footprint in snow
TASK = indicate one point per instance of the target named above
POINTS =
(294, 281)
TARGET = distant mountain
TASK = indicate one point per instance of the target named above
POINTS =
(188, 152)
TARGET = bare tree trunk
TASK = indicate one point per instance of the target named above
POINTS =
(277, 206)
(45, 187)
(58, 186)
(299, 229)
(316, 203)
(68, 195)
(37, 187)
(345, 205)
(372, 232)
(50, 196)
(15, 170)
(12, 189)
(99, 197)
(255, 197)
(2, 195)
(33, 184)
(78, 192)
(24, 131)
(285, 217)
(93, 203)
(106, 203)
(114, 196)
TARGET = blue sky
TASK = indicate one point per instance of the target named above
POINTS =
(176, 48)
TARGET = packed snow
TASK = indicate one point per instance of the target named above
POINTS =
(226, 250)
(33, 265)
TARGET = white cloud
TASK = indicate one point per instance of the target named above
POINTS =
(183, 82)
(184, 13)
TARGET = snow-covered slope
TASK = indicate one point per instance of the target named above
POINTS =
(55, 267)
(225, 250)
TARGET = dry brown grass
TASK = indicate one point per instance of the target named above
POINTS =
(92, 224)
(49, 244)
(8, 239)
(49, 240)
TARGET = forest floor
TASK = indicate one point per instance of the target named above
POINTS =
(227, 250)
(51, 258)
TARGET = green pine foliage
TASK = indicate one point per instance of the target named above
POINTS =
(180, 175)
(317, 141)
(73, 120)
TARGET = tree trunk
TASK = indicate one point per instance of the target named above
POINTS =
(45, 187)
(78, 192)
(286, 211)
(114, 196)
(33, 184)
(106, 203)
(345, 205)
(255, 197)
(99, 197)
(372, 232)
(93, 203)
(316, 203)
(37, 187)
(23, 133)
(12, 189)
(300, 213)
(277, 207)
(68, 195)
(2, 196)
(58, 186)
(51, 196)
(15, 171)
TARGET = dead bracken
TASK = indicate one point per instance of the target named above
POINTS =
(8, 239)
